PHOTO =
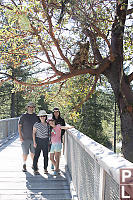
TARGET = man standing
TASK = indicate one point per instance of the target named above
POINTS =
(25, 129)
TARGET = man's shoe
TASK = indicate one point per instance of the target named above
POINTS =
(24, 168)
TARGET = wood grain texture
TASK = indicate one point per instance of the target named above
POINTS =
(18, 185)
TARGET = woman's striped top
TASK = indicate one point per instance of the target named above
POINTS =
(42, 130)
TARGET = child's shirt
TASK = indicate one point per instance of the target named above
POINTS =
(56, 134)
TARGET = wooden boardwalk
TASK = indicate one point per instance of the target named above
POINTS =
(17, 185)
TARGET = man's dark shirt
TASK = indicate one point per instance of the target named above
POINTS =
(27, 121)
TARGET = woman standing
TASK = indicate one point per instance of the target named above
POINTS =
(56, 143)
(40, 141)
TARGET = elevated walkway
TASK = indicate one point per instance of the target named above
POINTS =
(94, 170)
(17, 185)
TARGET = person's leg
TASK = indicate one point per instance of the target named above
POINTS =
(52, 158)
(57, 158)
(25, 158)
(32, 155)
(24, 163)
(52, 166)
(32, 150)
(45, 163)
(58, 148)
(25, 149)
(44, 147)
(36, 157)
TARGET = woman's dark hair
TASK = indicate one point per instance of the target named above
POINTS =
(46, 119)
(53, 116)
(40, 120)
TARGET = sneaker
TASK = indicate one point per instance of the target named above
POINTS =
(24, 168)
(36, 173)
(55, 173)
(52, 167)
(45, 171)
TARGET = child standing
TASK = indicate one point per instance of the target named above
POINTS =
(56, 145)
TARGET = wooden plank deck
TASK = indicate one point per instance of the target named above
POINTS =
(17, 185)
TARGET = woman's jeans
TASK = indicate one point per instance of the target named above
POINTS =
(42, 144)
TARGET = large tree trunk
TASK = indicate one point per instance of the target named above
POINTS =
(124, 99)
(119, 81)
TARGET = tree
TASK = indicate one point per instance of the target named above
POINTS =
(6, 91)
(42, 104)
(91, 120)
(92, 115)
(5, 100)
(76, 38)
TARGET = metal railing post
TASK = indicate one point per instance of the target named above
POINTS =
(102, 184)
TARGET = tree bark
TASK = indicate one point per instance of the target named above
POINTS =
(119, 81)
(124, 99)
(12, 105)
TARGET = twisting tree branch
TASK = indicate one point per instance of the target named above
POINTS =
(51, 32)
(4, 80)
(129, 11)
(87, 97)
(61, 85)
(14, 3)
(130, 77)
(9, 8)
(101, 34)
(94, 45)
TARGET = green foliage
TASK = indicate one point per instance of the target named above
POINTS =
(91, 116)
(5, 100)
(33, 28)
(42, 104)
(95, 118)
(22, 95)
(5, 104)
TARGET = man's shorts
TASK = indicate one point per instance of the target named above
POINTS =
(56, 147)
(26, 146)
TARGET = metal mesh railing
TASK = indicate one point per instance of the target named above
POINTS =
(8, 127)
(111, 188)
(84, 170)
(94, 169)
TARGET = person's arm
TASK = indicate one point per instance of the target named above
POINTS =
(66, 127)
(34, 135)
(20, 132)
(63, 123)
